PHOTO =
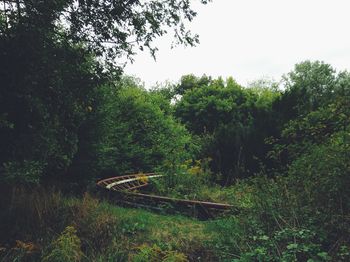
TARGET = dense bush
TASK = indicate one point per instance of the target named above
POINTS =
(66, 248)
(301, 215)
(47, 225)
(138, 133)
(46, 89)
(231, 121)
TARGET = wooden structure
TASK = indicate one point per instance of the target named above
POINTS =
(122, 189)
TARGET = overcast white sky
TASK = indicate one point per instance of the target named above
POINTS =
(250, 39)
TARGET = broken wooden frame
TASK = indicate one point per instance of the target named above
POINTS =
(122, 189)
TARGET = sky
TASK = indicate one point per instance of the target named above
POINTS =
(253, 39)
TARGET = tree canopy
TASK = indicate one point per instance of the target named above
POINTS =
(55, 55)
(110, 29)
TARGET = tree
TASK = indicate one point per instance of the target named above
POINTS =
(109, 28)
(307, 87)
(137, 133)
(319, 101)
(231, 121)
(189, 82)
(47, 89)
(54, 54)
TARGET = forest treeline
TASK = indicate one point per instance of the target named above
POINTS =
(68, 116)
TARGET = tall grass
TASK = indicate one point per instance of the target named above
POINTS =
(38, 224)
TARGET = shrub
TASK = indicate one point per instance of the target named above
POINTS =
(146, 253)
(31, 212)
(66, 248)
(184, 180)
(25, 172)
(137, 132)
(96, 226)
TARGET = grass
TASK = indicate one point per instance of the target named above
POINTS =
(100, 231)
(198, 187)
(283, 223)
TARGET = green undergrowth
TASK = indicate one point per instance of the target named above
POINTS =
(193, 180)
(193, 188)
(280, 225)
(301, 215)
(40, 225)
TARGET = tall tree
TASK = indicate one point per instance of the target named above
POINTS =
(110, 28)
(307, 87)
(232, 122)
(53, 56)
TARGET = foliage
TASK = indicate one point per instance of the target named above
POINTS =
(267, 91)
(21, 252)
(313, 127)
(108, 28)
(105, 232)
(96, 229)
(46, 90)
(66, 247)
(30, 212)
(138, 133)
(28, 172)
(299, 216)
(231, 121)
(155, 253)
(308, 87)
(54, 56)
(178, 180)
(66, 112)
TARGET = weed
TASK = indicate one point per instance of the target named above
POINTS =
(66, 248)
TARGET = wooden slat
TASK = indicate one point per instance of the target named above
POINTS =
(135, 181)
